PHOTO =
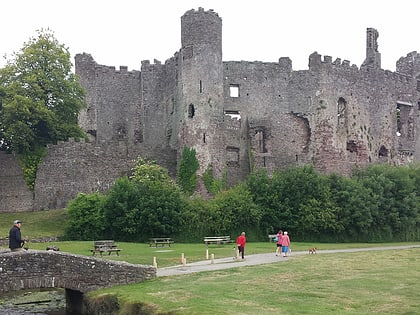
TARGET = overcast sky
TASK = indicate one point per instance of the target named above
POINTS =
(125, 32)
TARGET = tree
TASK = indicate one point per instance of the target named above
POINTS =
(187, 173)
(146, 205)
(40, 97)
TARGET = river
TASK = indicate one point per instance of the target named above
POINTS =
(35, 301)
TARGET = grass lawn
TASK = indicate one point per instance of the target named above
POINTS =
(376, 282)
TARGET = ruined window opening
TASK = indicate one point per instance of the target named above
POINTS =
(234, 90)
(191, 111)
(204, 137)
(259, 136)
(383, 152)
(233, 114)
(398, 117)
(341, 106)
(201, 86)
(297, 158)
(232, 155)
(187, 52)
(418, 105)
(352, 146)
(264, 164)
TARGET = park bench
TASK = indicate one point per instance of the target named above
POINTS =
(107, 246)
(160, 241)
(217, 240)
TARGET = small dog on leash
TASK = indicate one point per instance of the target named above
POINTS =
(312, 250)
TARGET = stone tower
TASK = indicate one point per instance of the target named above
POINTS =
(373, 56)
(201, 88)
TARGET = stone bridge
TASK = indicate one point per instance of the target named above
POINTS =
(75, 273)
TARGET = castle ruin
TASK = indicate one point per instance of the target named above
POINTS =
(237, 115)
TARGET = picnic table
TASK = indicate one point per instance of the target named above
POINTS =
(160, 241)
(105, 246)
(217, 240)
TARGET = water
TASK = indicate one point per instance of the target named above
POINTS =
(34, 302)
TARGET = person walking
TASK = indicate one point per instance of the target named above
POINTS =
(278, 243)
(241, 242)
(15, 238)
(285, 244)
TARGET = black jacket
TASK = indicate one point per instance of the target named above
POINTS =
(15, 238)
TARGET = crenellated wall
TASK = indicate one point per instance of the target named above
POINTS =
(235, 114)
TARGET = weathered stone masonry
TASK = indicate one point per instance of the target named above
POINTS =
(235, 114)
(76, 274)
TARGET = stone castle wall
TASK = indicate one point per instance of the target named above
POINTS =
(15, 195)
(73, 167)
(334, 115)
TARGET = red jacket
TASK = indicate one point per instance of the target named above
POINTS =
(241, 240)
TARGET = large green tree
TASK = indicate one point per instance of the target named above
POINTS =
(40, 96)
(147, 205)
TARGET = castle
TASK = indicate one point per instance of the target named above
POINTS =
(237, 115)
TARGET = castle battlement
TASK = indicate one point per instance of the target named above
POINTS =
(201, 11)
(335, 115)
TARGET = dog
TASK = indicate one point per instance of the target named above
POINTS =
(312, 250)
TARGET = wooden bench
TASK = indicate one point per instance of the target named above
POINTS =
(107, 246)
(217, 240)
(160, 241)
(271, 237)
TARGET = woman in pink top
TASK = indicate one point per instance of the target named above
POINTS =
(285, 243)
(278, 243)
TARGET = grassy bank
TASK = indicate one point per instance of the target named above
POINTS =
(37, 224)
(377, 282)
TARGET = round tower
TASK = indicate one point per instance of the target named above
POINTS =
(201, 87)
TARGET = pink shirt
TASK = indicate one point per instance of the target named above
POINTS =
(285, 240)
(279, 238)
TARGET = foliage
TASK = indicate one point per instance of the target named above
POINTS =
(148, 171)
(379, 203)
(40, 99)
(187, 172)
(85, 220)
(212, 184)
(235, 211)
(40, 96)
(148, 205)
(29, 163)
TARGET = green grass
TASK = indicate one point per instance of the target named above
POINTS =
(377, 282)
(37, 224)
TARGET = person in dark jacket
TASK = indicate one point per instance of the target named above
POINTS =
(15, 238)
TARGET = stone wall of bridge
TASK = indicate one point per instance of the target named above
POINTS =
(47, 269)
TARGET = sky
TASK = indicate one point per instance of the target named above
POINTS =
(125, 32)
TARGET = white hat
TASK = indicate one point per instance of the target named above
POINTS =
(285, 233)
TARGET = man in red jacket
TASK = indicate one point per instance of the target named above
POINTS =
(241, 241)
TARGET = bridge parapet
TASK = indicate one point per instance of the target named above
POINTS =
(47, 269)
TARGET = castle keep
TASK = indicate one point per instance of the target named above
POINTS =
(237, 115)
